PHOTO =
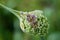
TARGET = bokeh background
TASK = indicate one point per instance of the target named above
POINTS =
(9, 24)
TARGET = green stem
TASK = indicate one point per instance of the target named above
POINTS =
(15, 12)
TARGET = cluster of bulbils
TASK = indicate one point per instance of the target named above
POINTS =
(34, 22)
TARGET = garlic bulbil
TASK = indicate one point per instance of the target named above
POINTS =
(34, 23)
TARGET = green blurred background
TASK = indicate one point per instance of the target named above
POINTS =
(9, 24)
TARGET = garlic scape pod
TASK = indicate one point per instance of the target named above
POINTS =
(33, 22)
